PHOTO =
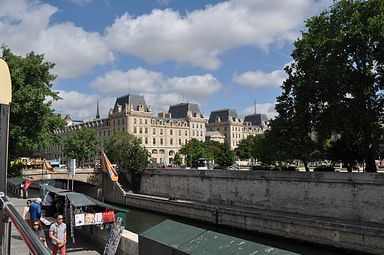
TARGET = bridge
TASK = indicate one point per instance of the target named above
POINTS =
(86, 175)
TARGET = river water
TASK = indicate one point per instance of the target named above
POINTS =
(139, 221)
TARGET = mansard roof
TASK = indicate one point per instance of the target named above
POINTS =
(179, 111)
(224, 115)
(256, 119)
(133, 100)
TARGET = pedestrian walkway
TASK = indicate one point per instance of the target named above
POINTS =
(18, 247)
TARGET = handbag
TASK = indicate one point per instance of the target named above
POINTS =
(89, 219)
(108, 215)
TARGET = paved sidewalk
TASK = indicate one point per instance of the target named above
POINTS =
(18, 247)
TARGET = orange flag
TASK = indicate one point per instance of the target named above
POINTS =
(107, 167)
(48, 166)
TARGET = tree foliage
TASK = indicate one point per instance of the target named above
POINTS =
(32, 120)
(335, 83)
(226, 156)
(124, 149)
(193, 150)
(81, 145)
(250, 148)
(177, 159)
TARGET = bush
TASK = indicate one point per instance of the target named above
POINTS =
(324, 169)
(288, 168)
(261, 168)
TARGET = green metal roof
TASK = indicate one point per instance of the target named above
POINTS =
(186, 239)
(16, 180)
(216, 243)
(55, 190)
(172, 233)
(78, 199)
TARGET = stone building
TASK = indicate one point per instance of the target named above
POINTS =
(234, 129)
(162, 135)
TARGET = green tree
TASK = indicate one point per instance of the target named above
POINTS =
(177, 159)
(226, 157)
(125, 150)
(193, 150)
(250, 148)
(32, 120)
(335, 83)
(81, 145)
(244, 148)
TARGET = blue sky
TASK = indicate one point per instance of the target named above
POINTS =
(219, 54)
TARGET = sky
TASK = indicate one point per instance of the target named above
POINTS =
(218, 54)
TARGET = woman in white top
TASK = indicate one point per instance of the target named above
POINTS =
(26, 215)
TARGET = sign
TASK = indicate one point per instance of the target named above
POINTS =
(72, 167)
(114, 237)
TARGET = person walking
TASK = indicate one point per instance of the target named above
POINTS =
(58, 234)
(26, 214)
(39, 232)
(35, 210)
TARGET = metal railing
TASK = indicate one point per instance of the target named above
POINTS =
(8, 216)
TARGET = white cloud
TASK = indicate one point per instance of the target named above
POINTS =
(73, 50)
(201, 36)
(136, 80)
(195, 85)
(259, 79)
(82, 106)
(159, 90)
(142, 81)
(267, 108)
(25, 26)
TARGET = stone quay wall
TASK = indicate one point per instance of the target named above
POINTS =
(277, 203)
(348, 196)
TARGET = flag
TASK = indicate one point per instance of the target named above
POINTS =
(107, 167)
(47, 165)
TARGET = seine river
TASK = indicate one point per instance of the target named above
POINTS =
(139, 221)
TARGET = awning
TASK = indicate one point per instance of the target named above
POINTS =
(78, 199)
(58, 191)
(16, 181)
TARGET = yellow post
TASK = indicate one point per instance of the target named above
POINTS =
(5, 99)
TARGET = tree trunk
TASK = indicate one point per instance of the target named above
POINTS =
(305, 165)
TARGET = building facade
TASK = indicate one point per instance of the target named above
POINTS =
(165, 134)
(234, 129)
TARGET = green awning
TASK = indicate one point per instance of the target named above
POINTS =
(174, 238)
(58, 191)
(79, 200)
(16, 181)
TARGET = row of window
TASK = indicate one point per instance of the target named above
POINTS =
(161, 141)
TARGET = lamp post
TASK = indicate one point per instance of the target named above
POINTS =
(5, 99)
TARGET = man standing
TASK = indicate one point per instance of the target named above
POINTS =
(58, 234)
(35, 210)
